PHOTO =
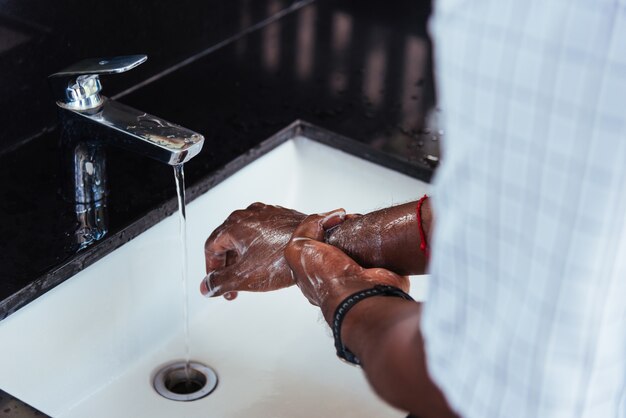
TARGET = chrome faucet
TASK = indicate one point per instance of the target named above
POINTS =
(90, 120)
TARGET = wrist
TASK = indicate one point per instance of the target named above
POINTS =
(362, 238)
(330, 303)
(353, 302)
(387, 238)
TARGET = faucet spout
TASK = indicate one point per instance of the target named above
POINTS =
(77, 89)
(139, 132)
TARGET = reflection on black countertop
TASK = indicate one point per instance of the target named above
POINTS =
(39, 37)
(361, 69)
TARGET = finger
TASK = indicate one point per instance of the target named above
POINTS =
(222, 239)
(333, 218)
(311, 229)
(219, 282)
(208, 290)
(214, 261)
(231, 257)
(205, 286)
(256, 206)
(384, 276)
(405, 284)
(217, 248)
(230, 295)
(313, 226)
(289, 209)
(239, 215)
(310, 259)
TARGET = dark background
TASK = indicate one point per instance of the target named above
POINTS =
(38, 38)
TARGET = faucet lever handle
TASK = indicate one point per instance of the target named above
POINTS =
(99, 66)
(78, 86)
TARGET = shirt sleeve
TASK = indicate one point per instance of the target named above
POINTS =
(525, 314)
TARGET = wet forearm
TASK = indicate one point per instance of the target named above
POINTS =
(386, 238)
(385, 334)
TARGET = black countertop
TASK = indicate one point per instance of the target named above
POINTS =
(11, 407)
(361, 69)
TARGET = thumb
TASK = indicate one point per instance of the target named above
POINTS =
(220, 282)
(313, 226)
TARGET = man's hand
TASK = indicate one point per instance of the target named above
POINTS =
(247, 251)
(383, 332)
(324, 273)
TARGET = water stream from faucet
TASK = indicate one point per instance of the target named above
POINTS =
(179, 176)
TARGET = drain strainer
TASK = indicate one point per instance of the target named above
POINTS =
(175, 383)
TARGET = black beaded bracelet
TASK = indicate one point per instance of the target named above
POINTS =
(348, 303)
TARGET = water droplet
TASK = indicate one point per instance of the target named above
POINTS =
(103, 62)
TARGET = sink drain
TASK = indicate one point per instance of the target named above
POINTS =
(175, 383)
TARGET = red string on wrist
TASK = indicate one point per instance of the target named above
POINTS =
(420, 226)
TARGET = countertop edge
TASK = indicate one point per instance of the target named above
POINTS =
(18, 409)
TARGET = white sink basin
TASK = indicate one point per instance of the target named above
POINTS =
(90, 347)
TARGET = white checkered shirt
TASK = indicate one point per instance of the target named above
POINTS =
(526, 311)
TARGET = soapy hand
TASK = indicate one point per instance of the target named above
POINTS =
(246, 252)
(325, 274)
